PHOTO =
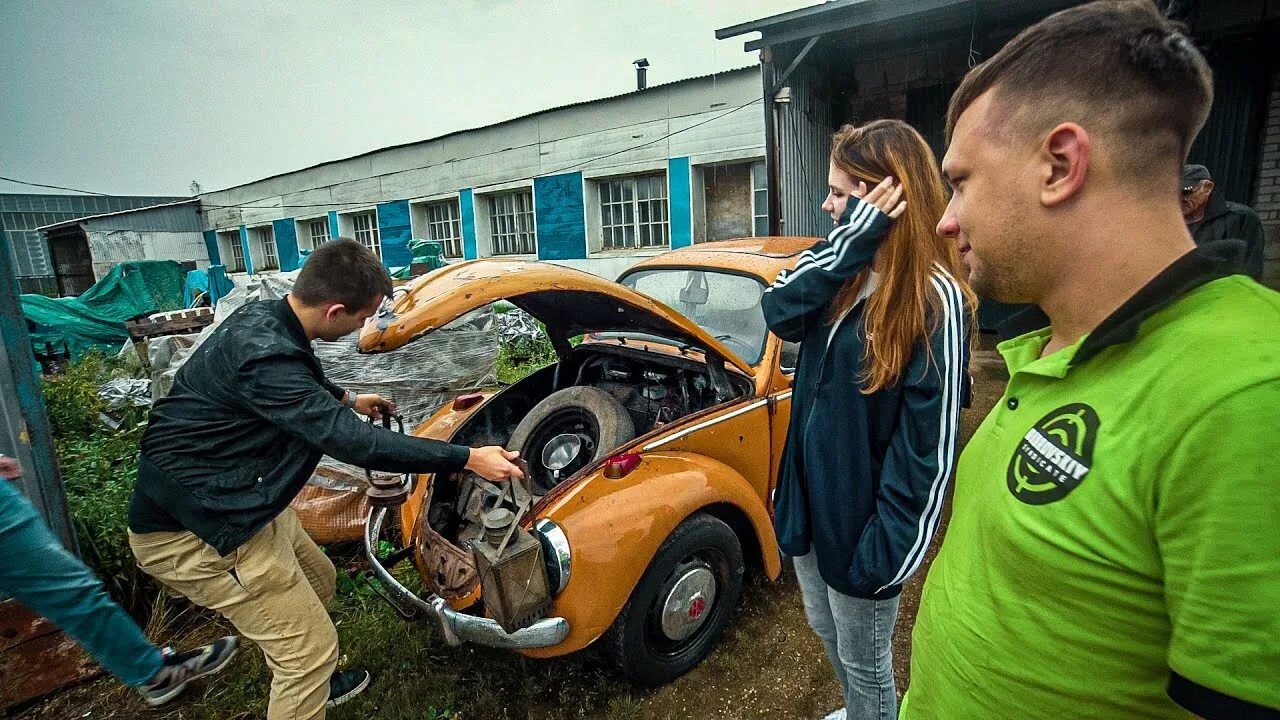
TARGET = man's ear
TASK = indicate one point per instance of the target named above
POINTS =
(1065, 158)
(334, 311)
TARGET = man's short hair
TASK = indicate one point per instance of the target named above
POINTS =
(342, 272)
(1119, 68)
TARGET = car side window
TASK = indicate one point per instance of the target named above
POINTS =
(790, 357)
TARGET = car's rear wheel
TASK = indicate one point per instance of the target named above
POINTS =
(681, 605)
(569, 430)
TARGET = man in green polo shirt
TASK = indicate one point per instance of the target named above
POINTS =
(1114, 547)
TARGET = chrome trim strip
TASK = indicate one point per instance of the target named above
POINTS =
(706, 423)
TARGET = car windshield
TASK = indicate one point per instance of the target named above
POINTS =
(725, 305)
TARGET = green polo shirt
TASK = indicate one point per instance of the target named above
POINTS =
(1114, 547)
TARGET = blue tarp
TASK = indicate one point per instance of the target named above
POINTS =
(212, 283)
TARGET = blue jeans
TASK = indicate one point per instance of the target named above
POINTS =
(857, 635)
(37, 571)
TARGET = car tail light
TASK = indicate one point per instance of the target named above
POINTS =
(619, 466)
(468, 401)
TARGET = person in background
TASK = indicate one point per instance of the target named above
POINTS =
(1211, 217)
(882, 322)
(1112, 550)
(43, 576)
(247, 421)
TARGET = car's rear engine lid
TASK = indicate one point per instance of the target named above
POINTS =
(569, 302)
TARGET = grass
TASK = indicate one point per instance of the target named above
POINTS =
(768, 664)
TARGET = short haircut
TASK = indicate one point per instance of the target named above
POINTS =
(1119, 68)
(342, 272)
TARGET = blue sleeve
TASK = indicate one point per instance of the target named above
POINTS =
(798, 297)
(922, 452)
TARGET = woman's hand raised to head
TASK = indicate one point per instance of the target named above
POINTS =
(887, 197)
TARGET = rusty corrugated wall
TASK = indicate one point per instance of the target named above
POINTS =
(803, 132)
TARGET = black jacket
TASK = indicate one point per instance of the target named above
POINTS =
(1225, 220)
(246, 423)
(863, 477)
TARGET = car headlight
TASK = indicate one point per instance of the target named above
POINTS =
(555, 551)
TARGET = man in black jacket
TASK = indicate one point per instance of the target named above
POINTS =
(1211, 217)
(246, 423)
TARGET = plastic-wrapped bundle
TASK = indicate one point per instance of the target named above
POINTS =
(419, 377)
(422, 375)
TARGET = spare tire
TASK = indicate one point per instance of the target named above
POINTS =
(596, 417)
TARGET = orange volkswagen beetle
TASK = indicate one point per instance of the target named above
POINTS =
(652, 450)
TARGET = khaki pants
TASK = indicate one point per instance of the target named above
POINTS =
(273, 589)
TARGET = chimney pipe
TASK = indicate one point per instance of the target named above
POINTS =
(642, 71)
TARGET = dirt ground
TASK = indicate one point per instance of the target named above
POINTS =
(771, 665)
(768, 665)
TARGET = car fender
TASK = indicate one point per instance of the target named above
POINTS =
(615, 528)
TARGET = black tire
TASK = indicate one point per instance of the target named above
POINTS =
(636, 641)
(586, 410)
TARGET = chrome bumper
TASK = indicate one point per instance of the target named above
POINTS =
(457, 627)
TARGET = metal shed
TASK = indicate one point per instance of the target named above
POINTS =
(85, 249)
(851, 61)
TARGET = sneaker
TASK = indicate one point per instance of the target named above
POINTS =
(346, 684)
(837, 715)
(178, 669)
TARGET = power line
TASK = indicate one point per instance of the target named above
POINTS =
(247, 206)
(51, 187)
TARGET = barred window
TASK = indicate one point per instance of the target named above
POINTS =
(319, 231)
(511, 223)
(443, 225)
(232, 240)
(633, 212)
(365, 226)
(267, 248)
(759, 200)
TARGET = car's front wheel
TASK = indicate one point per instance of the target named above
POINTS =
(681, 605)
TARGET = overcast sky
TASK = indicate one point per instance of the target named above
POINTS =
(143, 97)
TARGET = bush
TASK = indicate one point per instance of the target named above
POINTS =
(99, 466)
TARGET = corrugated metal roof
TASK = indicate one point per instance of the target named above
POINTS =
(783, 18)
(100, 216)
(649, 89)
(844, 15)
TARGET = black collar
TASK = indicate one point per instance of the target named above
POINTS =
(1204, 264)
(291, 322)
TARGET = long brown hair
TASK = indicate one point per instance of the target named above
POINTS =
(904, 309)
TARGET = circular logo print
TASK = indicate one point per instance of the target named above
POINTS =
(1054, 456)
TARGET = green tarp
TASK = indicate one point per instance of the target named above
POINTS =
(95, 320)
(430, 252)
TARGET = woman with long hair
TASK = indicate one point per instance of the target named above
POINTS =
(882, 317)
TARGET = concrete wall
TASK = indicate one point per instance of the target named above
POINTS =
(466, 166)
(728, 201)
(1267, 196)
(112, 247)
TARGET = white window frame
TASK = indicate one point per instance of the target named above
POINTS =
(323, 237)
(265, 239)
(444, 225)
(236, 251)
(513, 227)
(758, 212)
(629, 221)
(367, 236)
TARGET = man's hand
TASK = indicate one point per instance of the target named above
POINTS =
(494, 463)
(9, 468)
(374, 406)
